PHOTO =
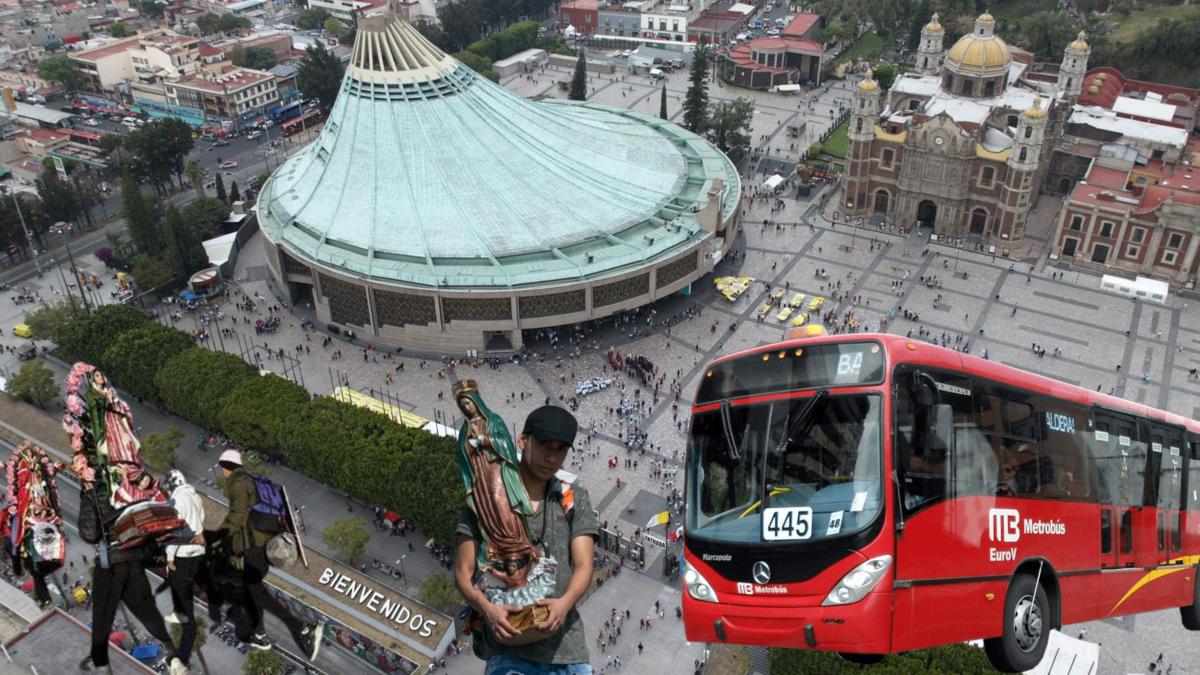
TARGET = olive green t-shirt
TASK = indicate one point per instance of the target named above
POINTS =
(553, 527)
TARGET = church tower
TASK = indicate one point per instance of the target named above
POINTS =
(864, 112)
(1017, 195)
(1074, 66)
(929, 52)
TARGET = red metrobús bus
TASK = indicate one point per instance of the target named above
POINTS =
(871, 494)
(307, 120)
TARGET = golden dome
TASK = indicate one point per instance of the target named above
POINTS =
(934, 26)
(1035, 112)
(986, 17)
(979, 53)
(868, 84)
(1080, 43)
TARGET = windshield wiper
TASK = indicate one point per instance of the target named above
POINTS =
(798, 427)
(803, 420)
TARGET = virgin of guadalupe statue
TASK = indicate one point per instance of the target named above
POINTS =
(107, 453)
(490, 466)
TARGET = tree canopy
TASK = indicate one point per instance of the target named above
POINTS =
(140, 211)
(195, 383)
(320, 75)
(258, 409)
(52, 320)
(160, 450)
(579, 80)
(134, 357)
(729, 125)
(89, 336)
(312, 18)
(34, 383)
(348, 537)
(695, 102)
(60, 69)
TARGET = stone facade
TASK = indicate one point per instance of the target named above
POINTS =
(962, 150)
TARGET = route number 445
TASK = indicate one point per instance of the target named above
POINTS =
(791, 522)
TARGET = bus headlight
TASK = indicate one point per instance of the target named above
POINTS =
(697, 586)
(855, 585)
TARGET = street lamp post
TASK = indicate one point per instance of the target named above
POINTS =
(400, 562)
(28, 235)
(300, 517)
(65, 230)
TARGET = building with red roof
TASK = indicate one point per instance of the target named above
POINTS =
(762, 63)
(1132, 217)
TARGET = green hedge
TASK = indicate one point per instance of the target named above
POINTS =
(258, 408)
(957, 659)
(133, 359)
(348, 448)
(91, 335)
(196, 382)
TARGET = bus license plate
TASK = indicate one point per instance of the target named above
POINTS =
(791, 522)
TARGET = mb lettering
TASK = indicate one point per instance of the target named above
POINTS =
(746, 588)
(1005, 526)
(378, 603)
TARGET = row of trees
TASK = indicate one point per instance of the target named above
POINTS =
(210, 23)
(166, 242)
(956, 659)
(464, 22)
(480, 54)
(351, 449)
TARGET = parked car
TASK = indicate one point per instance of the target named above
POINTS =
(229, 164)
(91, 122)
(253, 134)
(220, 143)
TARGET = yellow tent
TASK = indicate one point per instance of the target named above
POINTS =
(22, 330)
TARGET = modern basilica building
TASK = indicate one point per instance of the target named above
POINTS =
(440, 212)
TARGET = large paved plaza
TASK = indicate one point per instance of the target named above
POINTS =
(977, 301)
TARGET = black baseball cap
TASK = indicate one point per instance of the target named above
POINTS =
(551, 423)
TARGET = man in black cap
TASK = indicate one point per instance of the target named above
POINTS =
(563, 525)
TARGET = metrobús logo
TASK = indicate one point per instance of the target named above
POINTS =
(1005, 526)
(747, 588)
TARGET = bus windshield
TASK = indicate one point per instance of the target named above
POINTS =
(796, 469)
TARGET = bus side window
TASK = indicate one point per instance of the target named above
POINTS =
(1007, 421)
(1064, 449)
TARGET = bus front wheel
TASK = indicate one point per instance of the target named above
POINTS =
(1191, 613)
(1027, 624)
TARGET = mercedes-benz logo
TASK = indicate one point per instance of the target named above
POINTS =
(761, 572)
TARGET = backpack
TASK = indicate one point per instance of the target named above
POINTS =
(268, 514)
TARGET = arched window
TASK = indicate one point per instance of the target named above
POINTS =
(1028, 132)
(858, 126)
(1070, 80)
(1023, 155)
(989, 88)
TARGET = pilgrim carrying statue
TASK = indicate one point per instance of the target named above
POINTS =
(516, 572)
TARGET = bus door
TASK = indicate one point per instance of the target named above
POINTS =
(1168, 451)
(1191, 524)
(1121, 464)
